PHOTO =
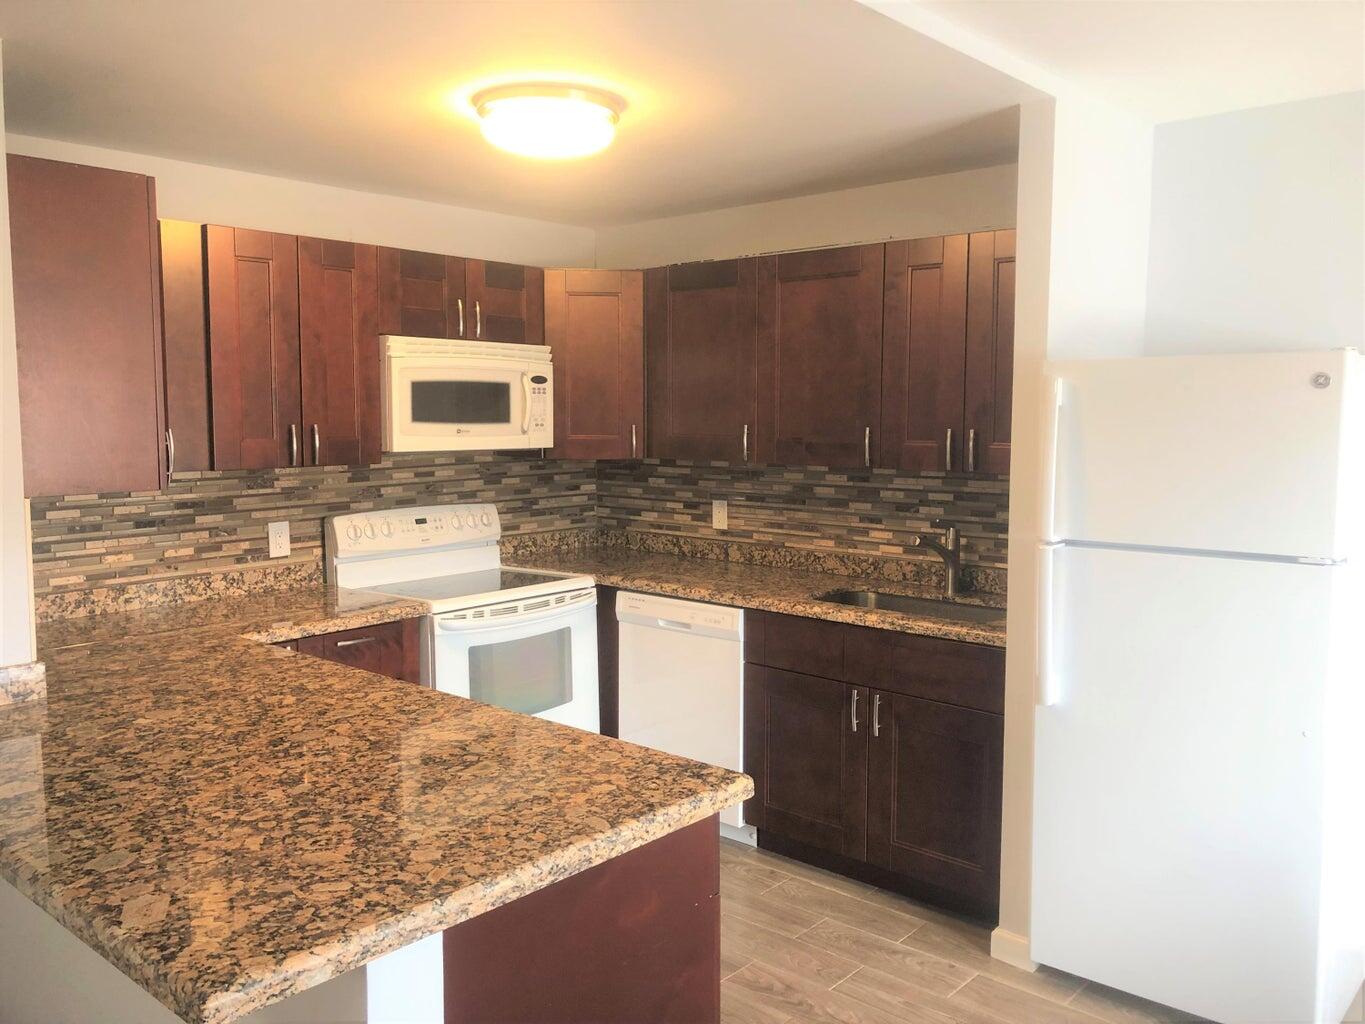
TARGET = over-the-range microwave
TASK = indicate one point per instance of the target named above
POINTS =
(442, 395)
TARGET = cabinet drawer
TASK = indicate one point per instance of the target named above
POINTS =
(390, 648)
(966, 675)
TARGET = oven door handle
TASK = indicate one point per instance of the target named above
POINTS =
(574, 604)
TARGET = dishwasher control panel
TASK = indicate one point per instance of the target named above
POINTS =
(672, 613)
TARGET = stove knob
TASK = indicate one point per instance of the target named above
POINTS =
(369, 530)
(386, 528)
(486, 519)
(353, 531)
(471, 520)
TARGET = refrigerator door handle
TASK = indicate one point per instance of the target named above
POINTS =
(1047, 690)
(1055, 395)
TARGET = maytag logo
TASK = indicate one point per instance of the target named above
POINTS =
(462, 430)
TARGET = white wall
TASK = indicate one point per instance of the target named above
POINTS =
(16, 569)
(217, 195)
(1258, 229)
(1084, 201)
(937, 205)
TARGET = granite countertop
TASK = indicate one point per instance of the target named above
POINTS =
(229, 823)
(766, 588)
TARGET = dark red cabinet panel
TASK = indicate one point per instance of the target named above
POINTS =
(390, 648)
(990, 348)
(701, 339)
(594, 327)
(421, 294)
(253, 298)
(339, 352)
(820, 356)
(87, 317)
(506, 301)
(185, 329)
(934, 793)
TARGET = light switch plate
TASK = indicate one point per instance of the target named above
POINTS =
(279, 539)
(720, 514)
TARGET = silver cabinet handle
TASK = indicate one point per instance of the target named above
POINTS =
(317, 446)
(948, 449)
(478, 320)
(632, 441)
(293, 444)
(170, 452)
(746, 442)
(357, 640)
(867, 446)
(876, 714)
(971, 449)
(853, 710)
(459, 308)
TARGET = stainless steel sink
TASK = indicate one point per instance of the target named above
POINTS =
(915, 606)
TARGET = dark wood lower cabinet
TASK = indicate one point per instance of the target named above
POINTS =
(805, 744)
(389, 648)
(634, 939)
(887, 766)
(608, 663)
(934, 780)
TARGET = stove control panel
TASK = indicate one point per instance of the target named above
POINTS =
(401, 529)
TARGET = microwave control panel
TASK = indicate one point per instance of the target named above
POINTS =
(540, 414)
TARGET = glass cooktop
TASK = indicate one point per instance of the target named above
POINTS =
(469, 584)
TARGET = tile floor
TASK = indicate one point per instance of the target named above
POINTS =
(800, 945)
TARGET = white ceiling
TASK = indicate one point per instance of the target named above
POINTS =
(730, 102)
(1168, 60)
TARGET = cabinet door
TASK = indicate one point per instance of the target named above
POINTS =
(934, 794)
(390, 648)
(185, 329)
(990, 350)
(805, 744)
(87, 317)
(820, 356)
(701, 334)
(421, 294)
(339, 352)
(925, 354)
(594, 326)
(507, 302)
(254, 348)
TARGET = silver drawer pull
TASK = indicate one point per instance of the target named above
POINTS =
(170, 453)
(317, 446)
(971, 449)
(459, 308)
(293, 444)
(746, 442)
(357, 640)
(478, 319)
(876, 714)
(948, 449)
(867, 446)
(853, 711)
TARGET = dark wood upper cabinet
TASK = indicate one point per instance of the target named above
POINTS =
(948, 353)
(820, 356)
(701, 339)
(87, 315)
(924, 353)
(805, 744)
(253, 298)
(506, 301)
(185, 330)
(594, 327)
(421, 294)
(990, 347)
(934, 795)
(339, 352)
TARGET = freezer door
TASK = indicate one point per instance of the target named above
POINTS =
(1238, 453)
(1178, 802)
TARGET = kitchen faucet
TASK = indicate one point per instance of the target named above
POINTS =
(950, 551)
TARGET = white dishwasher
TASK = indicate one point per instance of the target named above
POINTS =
(682, 683)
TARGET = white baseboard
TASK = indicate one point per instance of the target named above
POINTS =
(746, 834)
(1012, 949)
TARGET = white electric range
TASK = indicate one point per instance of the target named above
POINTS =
(522, 639)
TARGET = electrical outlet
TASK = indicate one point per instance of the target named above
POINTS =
(720, 514)
(279, 539)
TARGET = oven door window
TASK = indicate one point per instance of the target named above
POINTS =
(530, 675)
(461, 401)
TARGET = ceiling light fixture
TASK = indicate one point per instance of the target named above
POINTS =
(548, 121)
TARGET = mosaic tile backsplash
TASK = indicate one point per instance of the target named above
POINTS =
(206, 534)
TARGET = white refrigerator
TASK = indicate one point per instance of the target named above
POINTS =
(1199, 786)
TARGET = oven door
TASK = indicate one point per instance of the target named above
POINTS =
(443, 404)
(537, 656)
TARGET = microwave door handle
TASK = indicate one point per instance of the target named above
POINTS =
(526, 404)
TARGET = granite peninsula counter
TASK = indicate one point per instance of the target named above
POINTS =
(229, 823)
